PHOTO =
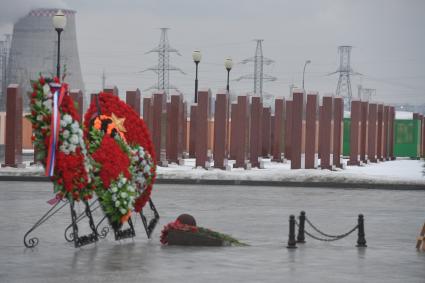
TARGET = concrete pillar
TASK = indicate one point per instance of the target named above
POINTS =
(325, 132)
(221, 121)
(372, 135)
(147, 112)
(364, 131)
(183, 149)
(298, 116)
(385, 155)
(391, 133)
(380, 130)
(266, 131)
(312, 113)
(192, 131)
(278, 130)
(132, 98)
(288, 129)
(255, 131)
(111, 89)
(355, 132)
(233, 131)
(78, 98)
(158, 129)
(13, 135)
(174, 129)
(338, 131)
(242, 123)
(202, 118)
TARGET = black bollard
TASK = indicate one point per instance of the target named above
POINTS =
(301, 236)
(292, 244)
(361, 241)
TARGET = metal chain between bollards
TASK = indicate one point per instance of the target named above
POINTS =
(322, 233)
(333, 238)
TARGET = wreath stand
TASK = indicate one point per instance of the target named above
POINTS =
(79, 241)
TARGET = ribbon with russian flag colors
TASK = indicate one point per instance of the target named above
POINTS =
(58, 94)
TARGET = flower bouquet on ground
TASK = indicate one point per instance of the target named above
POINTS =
(184, 232)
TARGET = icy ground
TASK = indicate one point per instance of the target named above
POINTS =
(400, 171)
(255, 215)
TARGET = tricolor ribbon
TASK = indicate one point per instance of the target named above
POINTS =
(58, 94)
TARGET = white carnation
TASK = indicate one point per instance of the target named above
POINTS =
(124, 195)
(123, 211)
(46, 90)
(39, 117)
(48, 104)
(117, 203)
(65, 134)
(72, 148)
(74, 139)
(75, 127)
(67, 118)
(114, 189)
(114, 197)
(66, 151)
(147, 169)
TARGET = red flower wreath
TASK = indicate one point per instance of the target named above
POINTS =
(136, 133)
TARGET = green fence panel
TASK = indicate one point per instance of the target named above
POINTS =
(346, 137)
(406, 138)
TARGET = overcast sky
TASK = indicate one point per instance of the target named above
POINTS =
(388, 39)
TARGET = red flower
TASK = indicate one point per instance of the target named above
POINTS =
(42, 81)
(111, 167)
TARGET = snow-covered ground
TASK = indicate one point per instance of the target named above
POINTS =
(401, 171)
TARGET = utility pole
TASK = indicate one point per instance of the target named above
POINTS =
(258, 76)
(163, 67)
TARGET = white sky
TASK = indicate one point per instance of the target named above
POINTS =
(388, 39)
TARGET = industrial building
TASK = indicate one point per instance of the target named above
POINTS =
(33, 50)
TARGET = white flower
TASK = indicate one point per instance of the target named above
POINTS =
(123, 211)
(147, 169)
(46, 90)
(124, 180)
(62, 148)
(74, 139)
(75, 127)
(123, 195)
(65, 134)
(48, 104)
(135, 158)
(117, 203)
(66, 151)
(130, 189)
(114, 197)
(63, 124)
(114, 189)
(39, 117)
(144, 163)
(72, 148)
(67, 118)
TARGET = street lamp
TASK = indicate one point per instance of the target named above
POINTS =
(59, 22)
(228, 64)
(196, 56)
(306, 62)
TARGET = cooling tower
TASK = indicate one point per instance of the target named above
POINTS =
(34, 50)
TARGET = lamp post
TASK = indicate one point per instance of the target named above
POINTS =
(228, 64)
(59, 22)
(306, 62)
(196, 56)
